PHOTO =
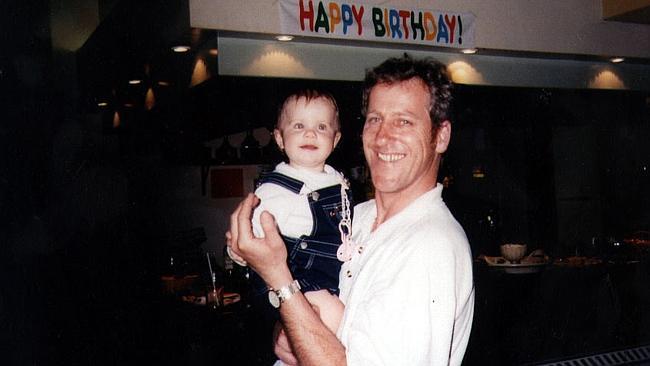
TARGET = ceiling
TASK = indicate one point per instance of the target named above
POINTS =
(134, 41)
(631, 11)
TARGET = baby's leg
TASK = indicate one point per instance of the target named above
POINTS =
(328, 306)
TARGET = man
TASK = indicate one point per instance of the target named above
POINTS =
(408, 289)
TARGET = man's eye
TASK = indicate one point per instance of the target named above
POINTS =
(404, 122)
(372, 119)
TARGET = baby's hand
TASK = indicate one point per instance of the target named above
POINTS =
(281, 346)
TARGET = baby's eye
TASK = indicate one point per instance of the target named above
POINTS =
(322, 127)
(298, 125)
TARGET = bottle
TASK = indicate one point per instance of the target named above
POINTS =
(228, 264)
(235, 277)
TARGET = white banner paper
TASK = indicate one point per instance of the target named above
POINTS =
(346, 20)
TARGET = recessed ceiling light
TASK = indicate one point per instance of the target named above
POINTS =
(135, 81)
(469, 51)
(128, 105)
(213, 51)
(284, 38)
(180, 49)
(616, 60)
(163, 83)
(102, 104)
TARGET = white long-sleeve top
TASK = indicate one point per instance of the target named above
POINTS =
(291, 211)
(409, 293)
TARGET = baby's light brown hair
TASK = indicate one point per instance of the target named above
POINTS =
(309, 95)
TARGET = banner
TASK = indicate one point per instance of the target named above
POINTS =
(347, 20)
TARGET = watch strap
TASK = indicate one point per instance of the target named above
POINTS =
(285, 292)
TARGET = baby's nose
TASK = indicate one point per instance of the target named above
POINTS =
(310, 132)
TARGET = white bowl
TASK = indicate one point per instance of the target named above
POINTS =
(513, 252)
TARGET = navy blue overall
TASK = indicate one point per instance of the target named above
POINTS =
(311, 258)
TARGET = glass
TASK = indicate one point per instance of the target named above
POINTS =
(215, 297)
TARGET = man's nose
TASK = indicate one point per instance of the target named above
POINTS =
(384, 132)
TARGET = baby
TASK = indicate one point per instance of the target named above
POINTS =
(309, 200)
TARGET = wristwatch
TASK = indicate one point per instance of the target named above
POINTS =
(284, 293)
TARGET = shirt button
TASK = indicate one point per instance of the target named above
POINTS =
(303, 245)
(349, 274)
(360, 250)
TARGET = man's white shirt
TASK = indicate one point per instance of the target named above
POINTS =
(408, 290)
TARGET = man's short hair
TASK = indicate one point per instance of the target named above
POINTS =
(431, 72)
(309, 95)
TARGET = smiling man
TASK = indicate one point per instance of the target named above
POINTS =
(408, 289)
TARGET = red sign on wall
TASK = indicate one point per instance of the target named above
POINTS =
(226, 183)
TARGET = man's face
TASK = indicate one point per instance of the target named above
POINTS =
(308, 133)
(397, 139)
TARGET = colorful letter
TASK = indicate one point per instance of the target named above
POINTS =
(430, 26)
(452, 26)
(358, 16)
(404, 15)
(321, 19)
(346, 14)
(442, 30)
(309, 15)
(335, 16)
(394, 23)
(386, 22)
(380, 29)
(417, 25)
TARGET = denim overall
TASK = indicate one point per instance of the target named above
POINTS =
(311, 258)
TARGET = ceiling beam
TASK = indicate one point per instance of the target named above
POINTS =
(633, 11)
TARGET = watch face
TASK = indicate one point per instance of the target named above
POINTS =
(274, 299)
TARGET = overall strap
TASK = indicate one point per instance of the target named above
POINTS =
(292, 184)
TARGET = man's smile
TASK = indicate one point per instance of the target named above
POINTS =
(390, 157)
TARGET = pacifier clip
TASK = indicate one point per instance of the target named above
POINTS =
(344, 253)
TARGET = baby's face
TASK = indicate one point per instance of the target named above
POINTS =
(308, 133)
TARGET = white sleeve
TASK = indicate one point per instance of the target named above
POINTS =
(274, 199)
(408, 317)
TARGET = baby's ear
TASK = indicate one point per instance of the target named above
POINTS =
(337, 137)
(277, 135)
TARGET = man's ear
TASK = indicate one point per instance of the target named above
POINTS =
(442, 137)
(337, 137)
(277, 135)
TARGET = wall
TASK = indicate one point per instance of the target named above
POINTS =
(504, 25)
(570, 26)
(256, 57)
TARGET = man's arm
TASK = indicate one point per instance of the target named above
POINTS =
(312, 342)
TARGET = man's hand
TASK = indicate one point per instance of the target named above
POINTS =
(313, 342)
(267, 256)
(281, 346)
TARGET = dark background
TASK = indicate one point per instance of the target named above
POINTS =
(83, 224)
